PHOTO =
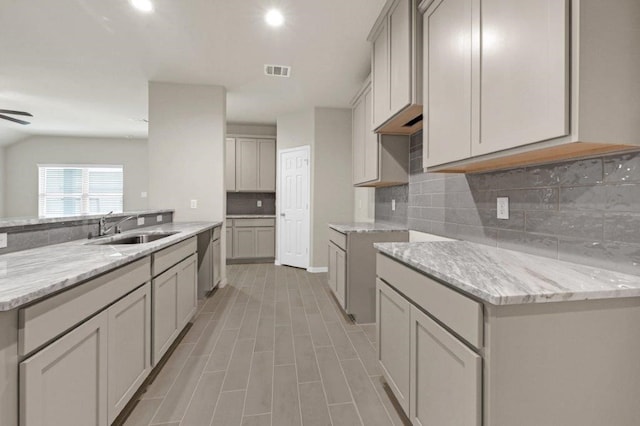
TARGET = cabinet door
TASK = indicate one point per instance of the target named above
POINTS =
(332, 267)
(244, 242)
(525, 65)
(341, 277)
(394, 324)
(447, 81)
(380, 66)
(66, 382)
(129, 347)
(359, 126)
(371, 144)
(265, 242)
(266, 165)
(187, 302)
(400, 55)
(229, 243)
(246, 165)
(164, 312)
(445, 376)
(217, 262)
(230, 165)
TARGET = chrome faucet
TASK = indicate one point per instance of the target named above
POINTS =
(103, 230)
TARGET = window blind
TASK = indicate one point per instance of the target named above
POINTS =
(79, 190)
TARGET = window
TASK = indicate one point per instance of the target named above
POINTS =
(79, 190)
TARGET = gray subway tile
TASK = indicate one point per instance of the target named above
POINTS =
(583, 197)
(623, 227)
(541, 245)
(623, 198)
(569, 224)
(608, 255)
(622, 168)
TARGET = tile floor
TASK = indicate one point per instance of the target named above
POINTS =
(270, 349)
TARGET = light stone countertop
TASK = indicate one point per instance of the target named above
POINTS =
(361, 227)
(506, 277)
(251, 216)
(26, 276)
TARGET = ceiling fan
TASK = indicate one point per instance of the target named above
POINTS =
(15, 120)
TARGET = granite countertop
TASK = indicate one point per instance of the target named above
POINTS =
(506, 277)
(360, 227)
(28, 275)
(251, 216)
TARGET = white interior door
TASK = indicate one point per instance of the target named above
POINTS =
(293, 227)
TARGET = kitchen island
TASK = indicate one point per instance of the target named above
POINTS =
(474, 335)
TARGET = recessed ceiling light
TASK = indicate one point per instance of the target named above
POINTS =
(274, 18)
(143, 5)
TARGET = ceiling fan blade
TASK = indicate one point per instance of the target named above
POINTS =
(8, 111)
(15, 120)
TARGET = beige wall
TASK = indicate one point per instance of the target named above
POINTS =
(332, 178)
(328, 132)
(364, 204)
(187, 128)
(22, 159)
(251, 129)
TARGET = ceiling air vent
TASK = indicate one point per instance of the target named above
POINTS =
(277, 70)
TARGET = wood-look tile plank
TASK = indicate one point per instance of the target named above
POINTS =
(344, 415)
(286, 405)
(260, 384)
(202, 405)
(393, 407)
(283, 346)
(170, 371)
(318, 330)
(341, 341)
(299, 322)
(238, 370)
(305, 359)
(366, 352)
(221, 354)
(260, 420)
(371, 331)
(208, 339)
(143, 412)
(249, 325)
(229, 409)
(333, 379)
(365, 396)
(313, 405)
(177, 400)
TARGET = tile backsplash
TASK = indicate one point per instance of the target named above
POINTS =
(247, 203)
(583, 211)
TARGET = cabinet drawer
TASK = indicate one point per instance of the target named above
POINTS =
(338, 238)
(216, 233)
(459, 313)
(165, 259)
(45, 320)
(246, 223)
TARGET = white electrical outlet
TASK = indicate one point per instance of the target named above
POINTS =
(194, 204)
(3, 240)
(140, 221)
(143, 195)
(393, 205)
(159, 218)
(503, 207)
(259, 203)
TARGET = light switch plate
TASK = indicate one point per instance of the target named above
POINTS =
(194, 204)
(3, 240)
(503, 207)
(259, 203)
(159, 218)
(140, 221)
(393, 205)
(143, 195)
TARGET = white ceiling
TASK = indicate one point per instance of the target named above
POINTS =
(81, 67)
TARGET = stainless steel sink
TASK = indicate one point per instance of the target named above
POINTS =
(136, 239)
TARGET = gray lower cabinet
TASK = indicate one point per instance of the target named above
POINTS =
(66, 383)
(129, 343)
(252, 239)
(217, 261)
(446, 376)
(174, 304)
(229, 242)
(352, 270)
(208, 261)
(393, 312)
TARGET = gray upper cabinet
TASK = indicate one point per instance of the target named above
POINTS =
(250, 165)
(528, 82)
(378, 160)
(397, 68)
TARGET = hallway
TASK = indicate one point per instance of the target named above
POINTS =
(270, 349)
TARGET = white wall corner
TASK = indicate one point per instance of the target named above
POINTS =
(317, 269)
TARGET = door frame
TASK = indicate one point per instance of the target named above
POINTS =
(279, 192)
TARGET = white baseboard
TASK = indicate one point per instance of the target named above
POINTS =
(223, 283)
(277, 262)
(317, 270)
